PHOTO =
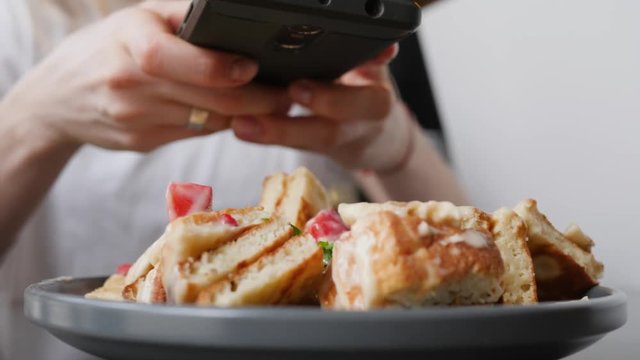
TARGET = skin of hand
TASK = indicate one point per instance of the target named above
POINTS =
(128, 83)
(358, 120)
(125, 83)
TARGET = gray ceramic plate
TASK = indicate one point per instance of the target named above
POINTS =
(136, 331)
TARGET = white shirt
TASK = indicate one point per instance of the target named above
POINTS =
(107, 207)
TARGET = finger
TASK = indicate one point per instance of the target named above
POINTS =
(150, 139)
(140, 107)
(252, 99)
(373, 71)
(368, 75)
(308, 133)
(173, 12)
(173, 114)
(311, 133)
(342, 102)
(160, 53)
(385, 57)
(164, 135)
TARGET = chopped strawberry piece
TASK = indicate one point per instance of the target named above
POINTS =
(186, 198)
(123, 269)
(326, 226)
(229, 220)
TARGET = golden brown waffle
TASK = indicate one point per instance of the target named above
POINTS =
(563, 269)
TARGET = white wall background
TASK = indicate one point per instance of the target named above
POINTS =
(541, 98)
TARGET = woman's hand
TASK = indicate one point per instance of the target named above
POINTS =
(128, 83)
(358, 121)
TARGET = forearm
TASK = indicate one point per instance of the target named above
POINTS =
(426, 176)
(30, 162)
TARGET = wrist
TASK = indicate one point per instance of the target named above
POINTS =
(390, 151)
(30, 161)
(32, 131)
(409, 151)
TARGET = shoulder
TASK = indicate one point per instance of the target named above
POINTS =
(53, 20)
(30, 29)
(16, 54)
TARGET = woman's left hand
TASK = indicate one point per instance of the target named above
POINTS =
(357, 120)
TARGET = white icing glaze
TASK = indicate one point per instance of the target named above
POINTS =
(367, 278)
(471, 237)
(401, 212)
(424, 229)
(422, 211)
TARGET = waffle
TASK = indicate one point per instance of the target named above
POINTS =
(565, 269)
(413, 254)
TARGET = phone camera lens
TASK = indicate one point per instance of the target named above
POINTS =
(374, 8)
(290, 41)
(304, 30)
(291, 44)
(296, 37)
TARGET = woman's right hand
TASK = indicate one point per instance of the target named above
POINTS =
(128, 83)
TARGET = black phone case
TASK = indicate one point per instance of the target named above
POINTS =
(295, 39)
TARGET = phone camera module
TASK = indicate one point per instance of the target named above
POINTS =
(305, 30)
(290, 44)
(296, 37)
(374, 8)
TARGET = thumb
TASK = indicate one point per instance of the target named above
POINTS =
(374, 70)
(385, 57)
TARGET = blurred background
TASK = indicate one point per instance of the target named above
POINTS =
(541, 98)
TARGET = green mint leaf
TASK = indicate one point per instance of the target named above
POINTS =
(327, 252)
(325, 245)
(296, 230)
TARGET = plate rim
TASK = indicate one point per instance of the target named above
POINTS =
(39, 299)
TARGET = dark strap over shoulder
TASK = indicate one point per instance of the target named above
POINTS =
(410, 72)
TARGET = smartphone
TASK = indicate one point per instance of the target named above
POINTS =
(300, 39)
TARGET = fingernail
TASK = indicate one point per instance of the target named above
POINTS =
(243, 70)
(247, 127)
(301, 94)
(394, 52)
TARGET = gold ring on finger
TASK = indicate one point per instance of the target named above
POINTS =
(197, 118)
